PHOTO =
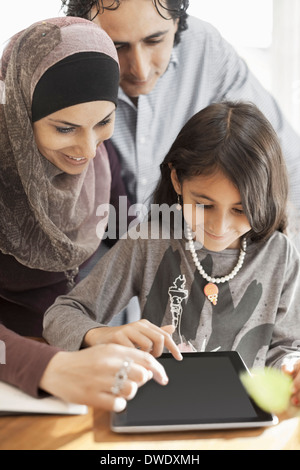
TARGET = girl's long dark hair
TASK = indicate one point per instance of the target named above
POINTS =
(238, 140)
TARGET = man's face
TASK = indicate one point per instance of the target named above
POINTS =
(144, 41)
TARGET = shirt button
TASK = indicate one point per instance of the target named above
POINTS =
(143, 181)
(142, 140)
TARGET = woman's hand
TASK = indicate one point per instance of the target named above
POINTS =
(88, 376)
(140, 334)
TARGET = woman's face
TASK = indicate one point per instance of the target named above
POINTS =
(213, 209)
(69, 138)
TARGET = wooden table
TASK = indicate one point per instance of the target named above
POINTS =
(91, 432)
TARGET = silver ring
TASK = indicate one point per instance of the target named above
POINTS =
(121, 376)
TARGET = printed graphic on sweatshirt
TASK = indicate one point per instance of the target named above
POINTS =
(177, 293)
(227, 320)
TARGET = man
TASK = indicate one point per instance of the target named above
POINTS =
(172, 65)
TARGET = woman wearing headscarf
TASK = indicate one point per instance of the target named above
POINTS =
(58, 94)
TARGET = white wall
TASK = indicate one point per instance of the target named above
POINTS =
(286, 58)
(266, 33)
(18, 14)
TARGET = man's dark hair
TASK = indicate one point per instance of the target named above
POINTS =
(168, 9)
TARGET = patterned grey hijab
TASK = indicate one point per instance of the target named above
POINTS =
(48, 218)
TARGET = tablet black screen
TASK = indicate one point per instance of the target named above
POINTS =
(202, 388)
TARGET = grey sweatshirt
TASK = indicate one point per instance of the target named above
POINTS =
(257, 313)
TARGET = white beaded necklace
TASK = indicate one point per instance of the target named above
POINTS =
(211, 289)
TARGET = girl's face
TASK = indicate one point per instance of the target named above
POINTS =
(219, 222)
(69, 137)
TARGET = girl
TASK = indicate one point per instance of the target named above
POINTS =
(240, 290)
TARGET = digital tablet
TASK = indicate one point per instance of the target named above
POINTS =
(204, 392)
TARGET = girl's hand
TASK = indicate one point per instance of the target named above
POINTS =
(87, 376)
(294, 371)
(140, 334)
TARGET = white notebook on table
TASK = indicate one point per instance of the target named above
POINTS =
(14, 401)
